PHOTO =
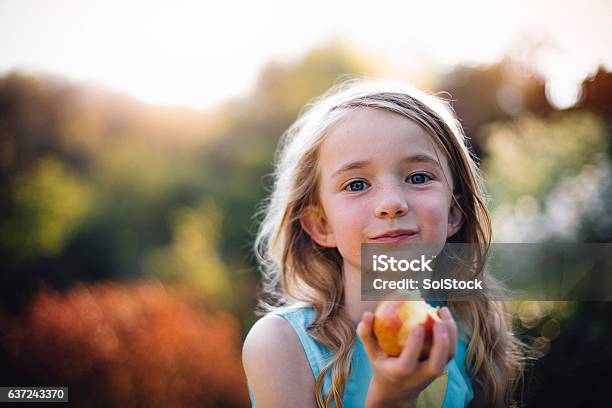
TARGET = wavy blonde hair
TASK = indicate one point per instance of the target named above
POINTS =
(297, 270)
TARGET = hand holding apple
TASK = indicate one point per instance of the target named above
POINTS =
(395, 320)
(399, 380)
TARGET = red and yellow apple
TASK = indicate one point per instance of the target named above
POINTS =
(395, 320)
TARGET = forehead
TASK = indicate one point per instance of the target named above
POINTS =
(377, 136)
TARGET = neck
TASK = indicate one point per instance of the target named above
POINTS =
(354, 306)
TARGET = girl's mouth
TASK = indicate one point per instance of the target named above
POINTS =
(394, 238)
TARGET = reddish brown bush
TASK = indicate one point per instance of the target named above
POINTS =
(129, 346)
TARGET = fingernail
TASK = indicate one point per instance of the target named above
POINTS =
(417, 332)
(445, 313)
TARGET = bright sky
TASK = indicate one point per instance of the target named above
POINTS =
(199, 53)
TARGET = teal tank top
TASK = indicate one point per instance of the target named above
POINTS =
(455, 383)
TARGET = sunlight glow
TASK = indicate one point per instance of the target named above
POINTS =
(200, 53)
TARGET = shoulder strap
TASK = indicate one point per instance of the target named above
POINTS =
(300, 319)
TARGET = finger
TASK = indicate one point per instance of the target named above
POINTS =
(451, 328)
(365, 333)
(409, 357)
(438, 356)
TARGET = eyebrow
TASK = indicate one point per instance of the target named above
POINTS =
(417, 158)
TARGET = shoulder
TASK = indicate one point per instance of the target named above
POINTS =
(275, 328)
(270, 333)
(275, 364)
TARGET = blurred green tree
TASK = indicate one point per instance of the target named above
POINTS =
(529, 155)
(50, 201)
(192, 257)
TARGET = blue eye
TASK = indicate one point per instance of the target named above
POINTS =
(357, 185)
(419, 178)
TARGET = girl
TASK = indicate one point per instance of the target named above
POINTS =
(369, 161)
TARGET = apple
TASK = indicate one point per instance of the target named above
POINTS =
(395, 320)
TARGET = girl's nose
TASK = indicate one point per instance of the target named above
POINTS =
(391, 205)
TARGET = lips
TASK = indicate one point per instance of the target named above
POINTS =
(398, 235)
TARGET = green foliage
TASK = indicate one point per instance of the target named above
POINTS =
(192, 256)
(285, 88)
(529, 155)
(50, 201)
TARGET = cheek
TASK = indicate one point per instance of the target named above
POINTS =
(432, 211)
(351, 215)
(349, 220)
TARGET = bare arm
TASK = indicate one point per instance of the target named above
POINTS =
(276, 366)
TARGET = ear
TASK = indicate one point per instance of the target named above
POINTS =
(455, 219)
(315, 224)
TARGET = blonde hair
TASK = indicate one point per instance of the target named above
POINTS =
(295, 269)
